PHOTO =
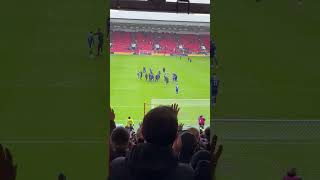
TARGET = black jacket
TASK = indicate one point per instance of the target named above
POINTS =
(150, 162)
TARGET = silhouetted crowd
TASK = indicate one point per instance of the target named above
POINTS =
(161, 150)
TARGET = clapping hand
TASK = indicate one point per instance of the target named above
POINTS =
(180, 127)
(112, 117)
(175, 108)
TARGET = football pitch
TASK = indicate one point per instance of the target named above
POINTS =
(133, 97)
(267, 113)
(53, 97)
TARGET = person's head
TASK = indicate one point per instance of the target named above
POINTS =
(203, 170)
(120, 139)
(189, 145)
(214, 75)
(91, 32)
(160, 126)
(61, 176)
(194, 132)
(292, 172)
(129, 117)
(201, 155)
(207, 133)
(139, 135)
(8, 169)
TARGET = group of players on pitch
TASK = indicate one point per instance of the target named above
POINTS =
(156, 77)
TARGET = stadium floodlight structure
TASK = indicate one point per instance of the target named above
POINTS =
(177, 6)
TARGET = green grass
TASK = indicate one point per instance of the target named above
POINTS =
(128, 94)
(50, 90)
(269, 70)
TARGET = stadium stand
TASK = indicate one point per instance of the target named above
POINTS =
(159, 37)
(168, 42)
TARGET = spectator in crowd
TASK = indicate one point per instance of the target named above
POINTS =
(292, 175)
(202, 171)
(177, 146)
(154, 160)
(207, 133)
(62, 177)
(200, 162)
(119, 142)
(205, 139)
(8, 170)
(195, 132)
(202, 155)
(139, 136)
(188, 148)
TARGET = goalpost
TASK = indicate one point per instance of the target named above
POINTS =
(190, 109)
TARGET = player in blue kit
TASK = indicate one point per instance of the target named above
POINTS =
(166, 79)
(90, 42)
(108, 26)
(213, 55)
(177, 89)
(146, 76)
(214, 89)
(99, 34)
(174, 77)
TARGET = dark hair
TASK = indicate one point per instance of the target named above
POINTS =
(201, 155)
(207, 133)
(129, 117)
(120, 136)
(203, 170)
(195, 132)
(160, 126)
(189, 145)
(292, 172)
(61, 176)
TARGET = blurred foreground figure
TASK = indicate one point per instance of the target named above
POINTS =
(8, 170)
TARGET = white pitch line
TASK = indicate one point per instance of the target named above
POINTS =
(181, 99)
(127, 106)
